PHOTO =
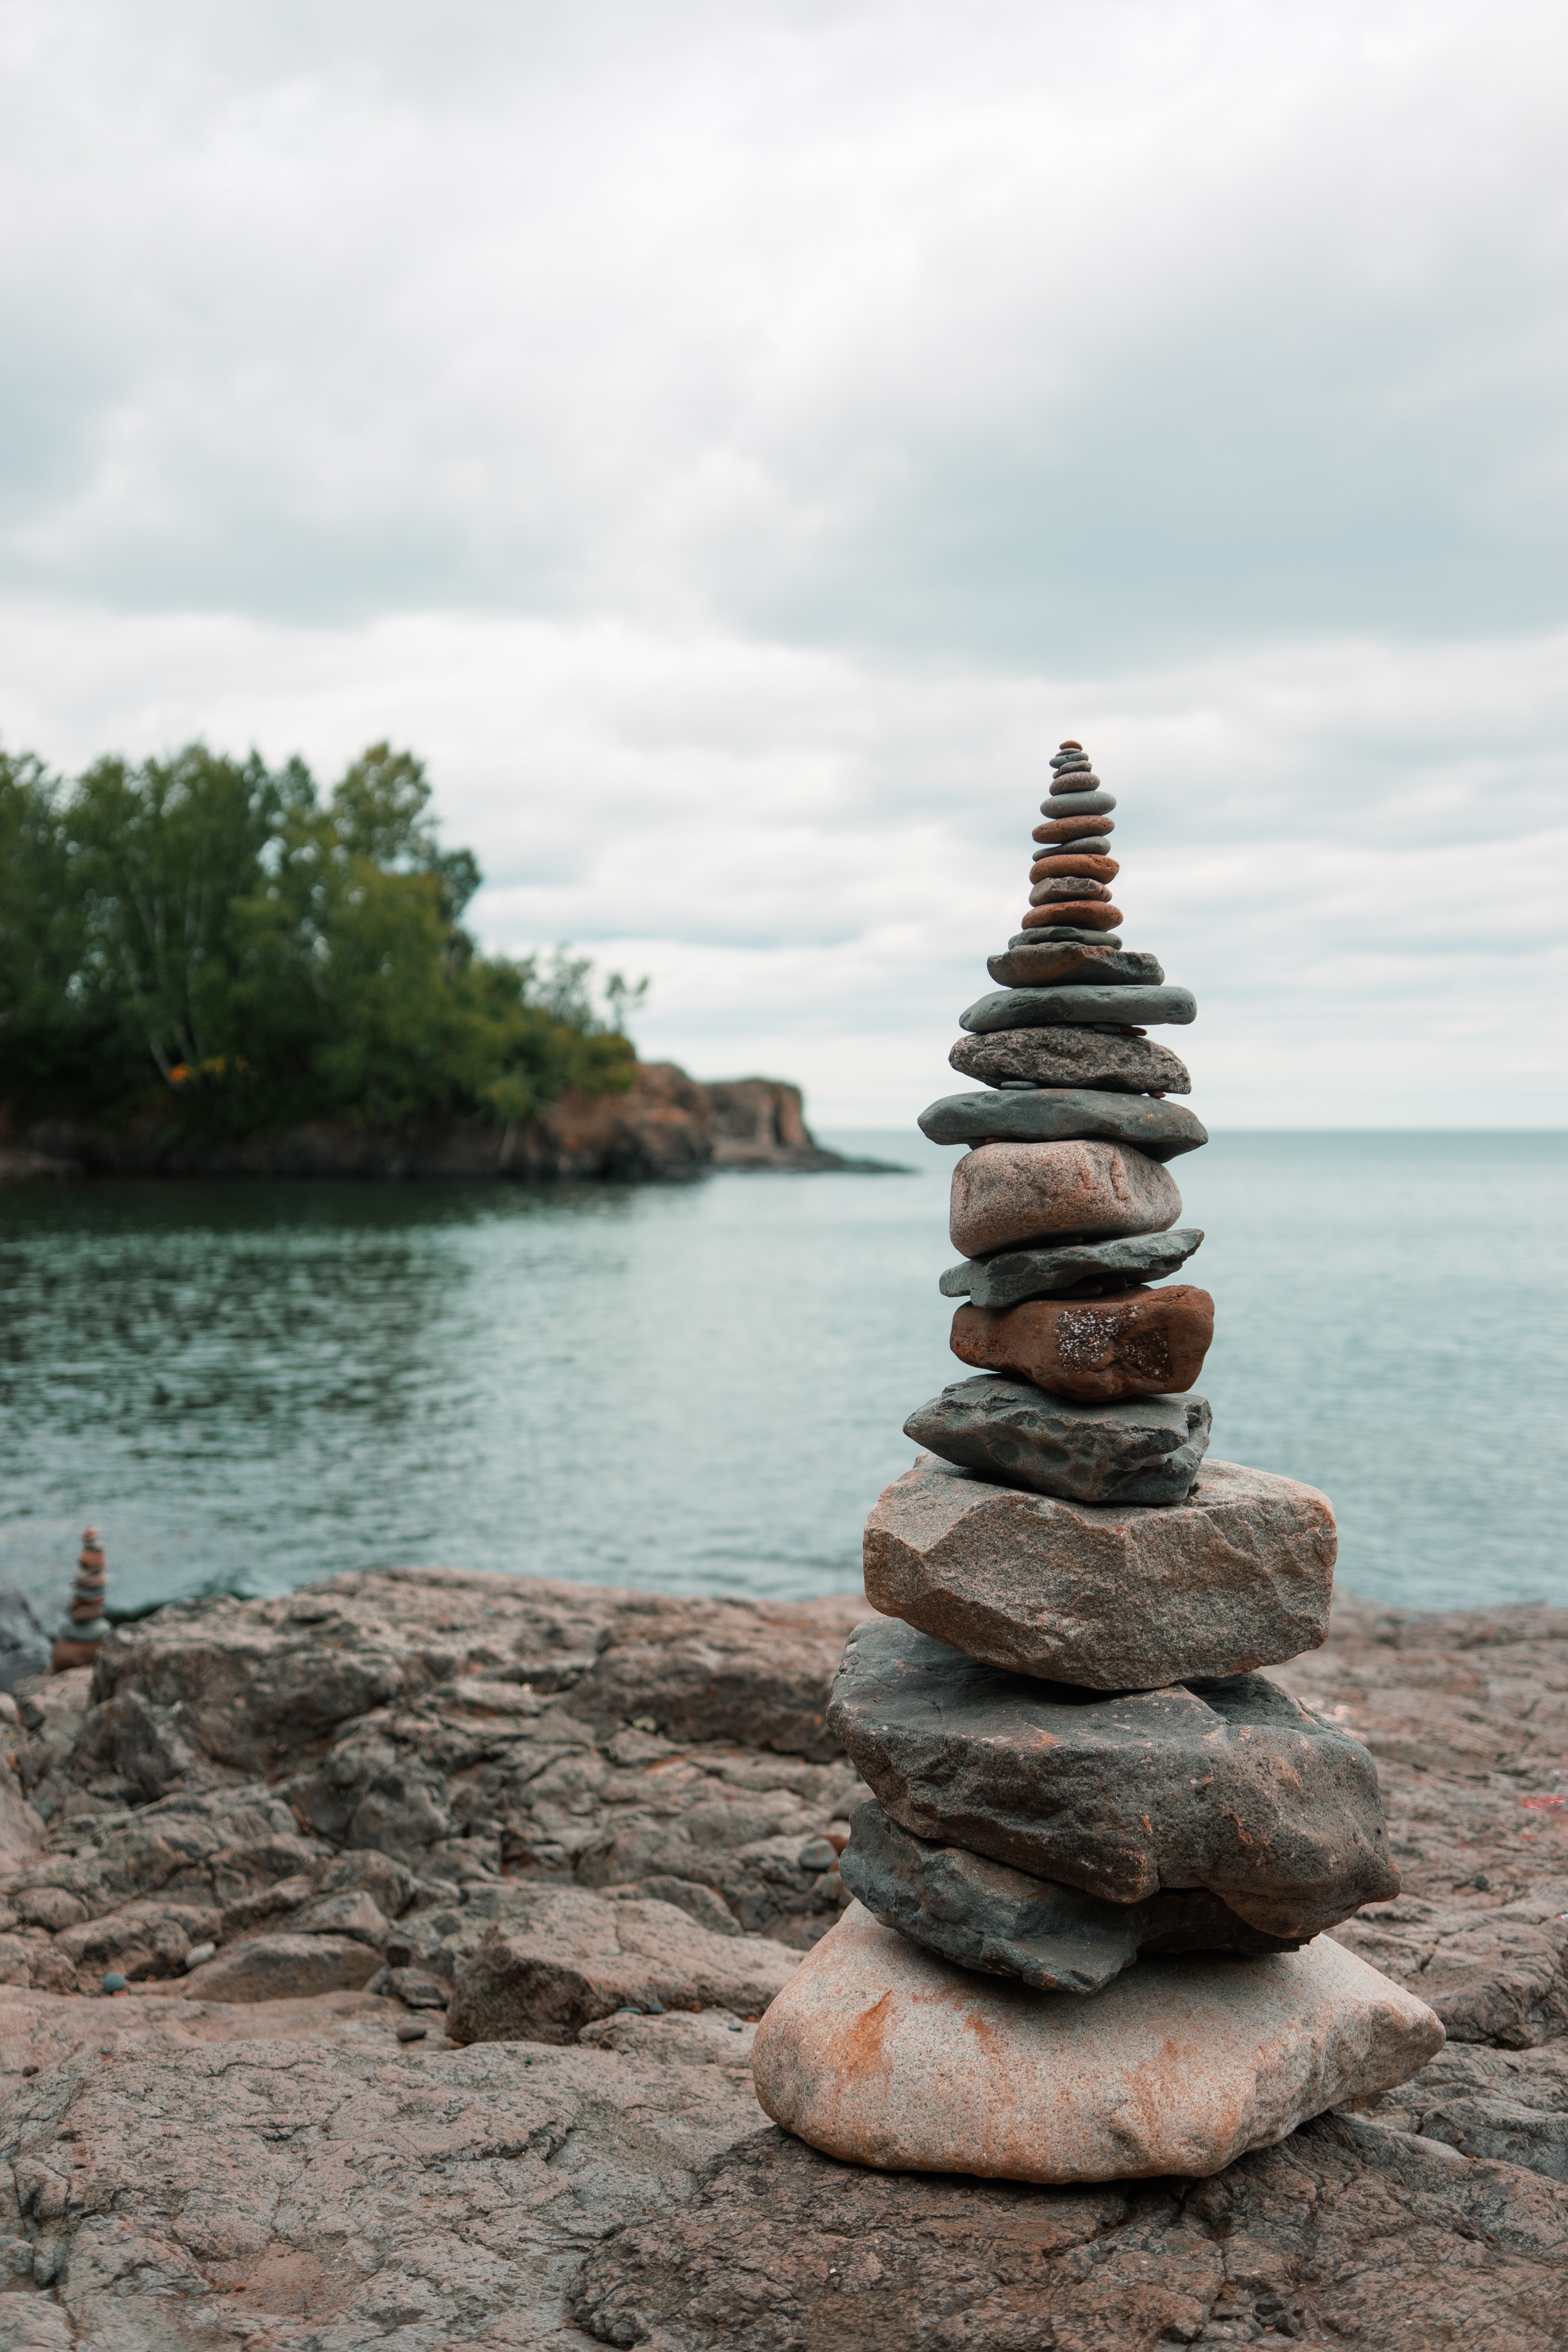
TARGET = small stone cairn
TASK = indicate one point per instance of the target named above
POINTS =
(77, 1642)
(1103, 1849)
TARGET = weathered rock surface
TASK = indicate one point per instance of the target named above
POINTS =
(570, 1957)
(1073, 1058)
(1228, 1785)
(1343, 2233)
(726, 2235)
(293, 2193)
(1511, 2105)
(1007, 1194)
(882, 2053)
(1107, 1596)
(1008, 1276)
(1160, 1131)
(1129, 1343)
(1145, 1450)
(1070, 1007)
(981, 1915)
(1053, 962)
(284, 1968)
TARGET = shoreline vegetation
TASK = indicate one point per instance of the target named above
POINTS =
(212, 968)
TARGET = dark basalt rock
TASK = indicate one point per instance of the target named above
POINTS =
(1160, 1131)
(1072, 1057)
(1232, 1786)
(1096, 803)
(985, 1915)
(1144, 1450)
(1077, 1008)
(1012, 1275)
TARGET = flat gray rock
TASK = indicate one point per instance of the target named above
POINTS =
(1069, 1007)
(1026, 1114)
(1055, 931)
(983, 1916)
(1012, 1275)
(1232, 1784)
(1072, 1057)
(881, 2053)
(1047, 965)
(1140, 1450)
(1078, 804)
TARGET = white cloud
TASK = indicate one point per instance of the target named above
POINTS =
(1351, 851)
(734, 442)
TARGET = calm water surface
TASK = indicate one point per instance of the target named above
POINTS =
(701, 1388)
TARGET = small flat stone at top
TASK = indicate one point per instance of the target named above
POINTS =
(1078, 804)
(1070, 1007)
(1051, 963)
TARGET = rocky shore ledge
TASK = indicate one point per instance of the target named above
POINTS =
(445, 1905)
(667, 1126)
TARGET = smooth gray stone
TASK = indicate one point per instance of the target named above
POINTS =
(1072, 1057)
(1075, 780)
(1118, 968)
(1012, 1275)
(1230, 1784)
(1068, 934)
(985, 1915)
(1078, 804)
(1070, 1007)
(1160, 1131)
(1085, 845)
(1142, 1450)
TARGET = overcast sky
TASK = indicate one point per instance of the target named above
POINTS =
(734, 443)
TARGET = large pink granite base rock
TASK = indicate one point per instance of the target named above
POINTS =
(879, 2053)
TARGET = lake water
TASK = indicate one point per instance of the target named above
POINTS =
(701, 1388)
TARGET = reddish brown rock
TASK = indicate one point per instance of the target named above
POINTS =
(1098, 869)
(1084, 914)
(1140, 1343)
(1008, 1193)
(1073, 828)
(1072, 887)
(1055, 961)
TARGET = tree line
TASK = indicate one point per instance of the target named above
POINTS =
(234, 948)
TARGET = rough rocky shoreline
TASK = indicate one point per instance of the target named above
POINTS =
(500, 1816)
(669, 1126)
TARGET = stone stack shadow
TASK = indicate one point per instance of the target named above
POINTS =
(1103, 1847)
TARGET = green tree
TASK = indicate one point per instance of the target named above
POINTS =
(207, 935)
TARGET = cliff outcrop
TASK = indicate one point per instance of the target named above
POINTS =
(667, 1127)
(445, 1903)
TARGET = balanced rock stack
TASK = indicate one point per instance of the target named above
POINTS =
(78, 1641)
(1103, 1849)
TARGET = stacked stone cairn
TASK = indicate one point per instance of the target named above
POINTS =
(78, 1641)
(1103, 1850)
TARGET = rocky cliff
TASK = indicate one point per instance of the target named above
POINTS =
(445, 1903)
(667, 1126)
